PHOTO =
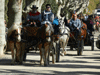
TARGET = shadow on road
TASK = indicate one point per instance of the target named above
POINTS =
(19, 72)
(88, 57)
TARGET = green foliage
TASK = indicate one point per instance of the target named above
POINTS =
(92, 5)
(54, 6)
(84, 11)
(23, 4)
(6, 9)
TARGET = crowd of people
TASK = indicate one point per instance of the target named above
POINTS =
(35, 18)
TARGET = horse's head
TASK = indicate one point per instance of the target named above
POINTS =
(61, 24)
(15, 33)
(48, 31)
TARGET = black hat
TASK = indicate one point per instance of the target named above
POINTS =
(48, 5)
(34, 6)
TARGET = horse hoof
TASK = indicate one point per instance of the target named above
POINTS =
(45, 64)
(48, 63)
(24, 60)
(41, 64)
(20, 63)
(62, 54)
(53, 62)
(12, 63)
(65, 53)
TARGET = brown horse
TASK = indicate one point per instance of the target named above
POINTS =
(83, 28)
(15, 44)
(80, 38)
(43, 37)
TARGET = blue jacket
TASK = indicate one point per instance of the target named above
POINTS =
(76, 23)
(55, 22)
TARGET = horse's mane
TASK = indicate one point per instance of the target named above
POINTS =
(12, 28)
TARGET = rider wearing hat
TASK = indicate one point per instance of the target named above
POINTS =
(34, 15)
(47, 15)
(75, 24)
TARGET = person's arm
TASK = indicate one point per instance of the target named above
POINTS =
(39, 17)
(42, 16)
(79, 24)
(52, 18)
(28, 17)
(70, 23)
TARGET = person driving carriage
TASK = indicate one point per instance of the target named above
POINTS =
(47, 15)
(90, 25)
(34, 17)
(75, 25)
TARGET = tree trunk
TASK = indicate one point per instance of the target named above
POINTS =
(2, 26)
(14, 12)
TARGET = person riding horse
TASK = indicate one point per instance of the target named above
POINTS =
(34, 16)
(75, 25)
(47, 15)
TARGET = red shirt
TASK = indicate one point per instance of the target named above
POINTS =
(34, 14)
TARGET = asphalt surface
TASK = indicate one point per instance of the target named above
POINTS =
(70, 64)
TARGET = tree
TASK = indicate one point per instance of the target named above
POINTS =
(14, 12)
(2, 25)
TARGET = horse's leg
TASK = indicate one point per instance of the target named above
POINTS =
(53, 53)
(18, 52)
(46, 55)
(49, 49)
(11, 47)
(22, 52)
(66, 45)
(61, 44)
(25, 51)
(41, 55)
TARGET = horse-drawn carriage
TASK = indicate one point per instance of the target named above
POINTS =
(30, 36)
(43, 38)
(84, 39)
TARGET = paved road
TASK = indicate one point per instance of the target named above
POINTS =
(71, 64)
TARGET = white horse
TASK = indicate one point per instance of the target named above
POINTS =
(64, 32)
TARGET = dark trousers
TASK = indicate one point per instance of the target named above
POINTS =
(56, 29)
(77, 33)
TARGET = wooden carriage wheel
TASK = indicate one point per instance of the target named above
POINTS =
(57, 52)
(80, 47)
(92, 44)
